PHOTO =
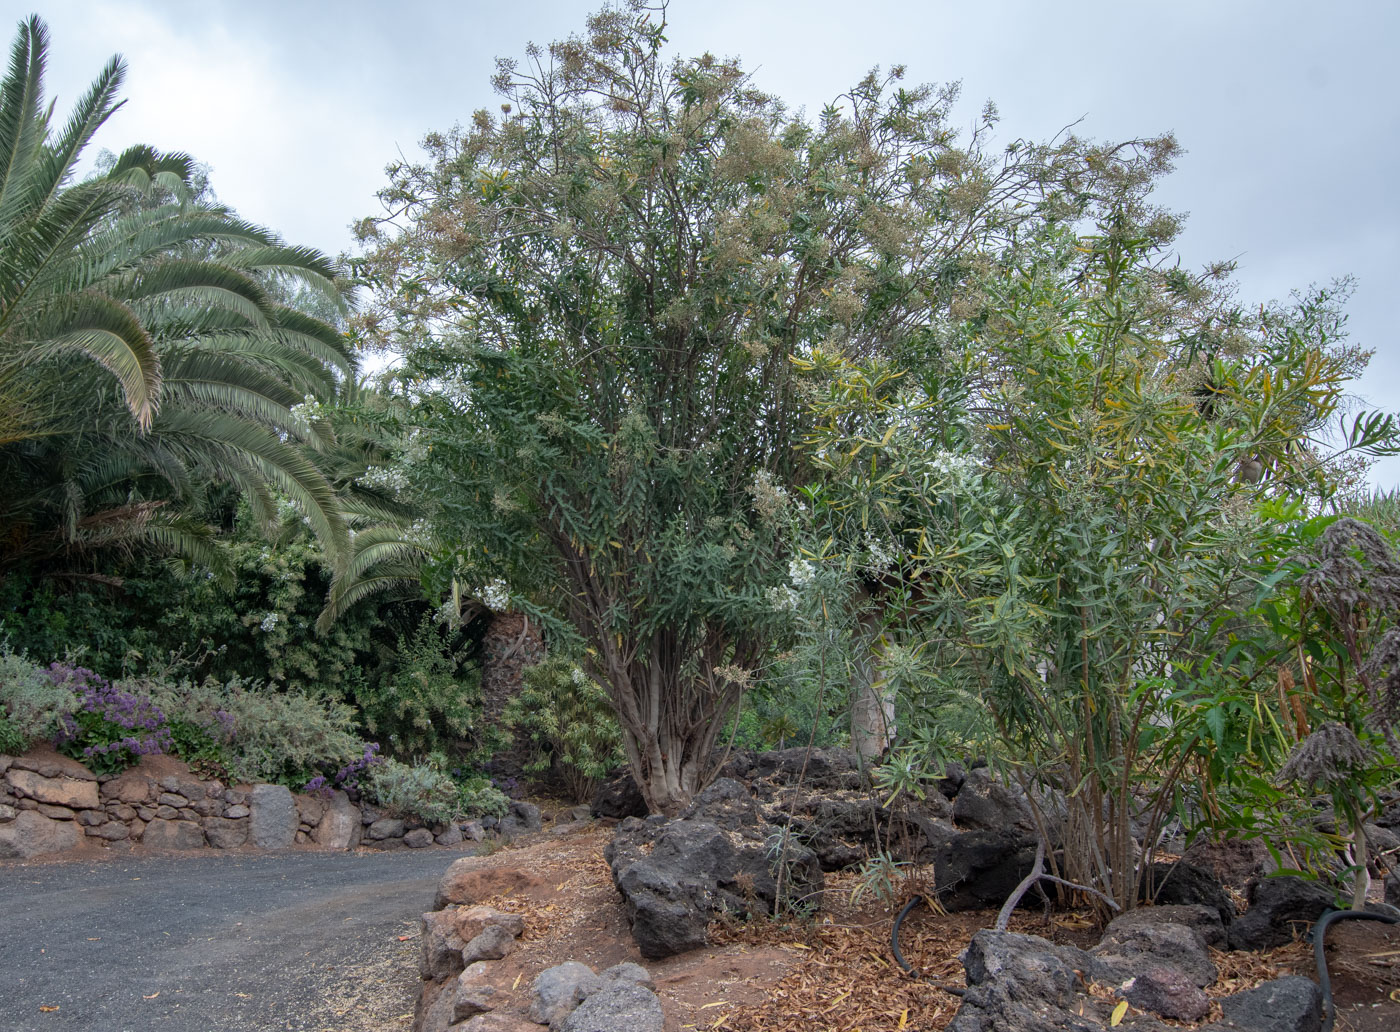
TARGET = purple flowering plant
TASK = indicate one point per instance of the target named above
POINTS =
(111, 728)
(348, 776)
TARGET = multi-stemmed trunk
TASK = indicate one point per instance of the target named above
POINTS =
(673, 701)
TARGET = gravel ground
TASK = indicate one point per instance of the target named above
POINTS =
(296, 941)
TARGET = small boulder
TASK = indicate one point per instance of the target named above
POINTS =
(340, 826)
(469, 922)
(619, 797)
(272, 817)
(1289, 1004)
(560, 989)
(418, 838)
(1174, 884)
(677, 876)
(1169, 992)
(493, 943)
(225, 834)
(455, 939)
(628, 972)
(824, 768)
(976, 868)
(1202, 919)
(1021, 983)
(440, 947)
(985, 804)
(472, 997)
(449, 836)
(522, 819)
(1127, 950)
(1025, 966)
(56, 791)
(466, 882)
(621, 1007)
(386, 828)
(48, 762)
(32, 834)
(1280, 910)
(1233, 861)
(131, 787)
(167, 834)
(310, 808)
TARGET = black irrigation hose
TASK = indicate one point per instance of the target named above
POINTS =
(899, 956)
(1319, 934)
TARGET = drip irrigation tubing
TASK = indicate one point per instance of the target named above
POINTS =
(899, 955)
(1319, 934)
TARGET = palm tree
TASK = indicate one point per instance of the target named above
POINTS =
(144, 351)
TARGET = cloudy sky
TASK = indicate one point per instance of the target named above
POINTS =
(1287, 111)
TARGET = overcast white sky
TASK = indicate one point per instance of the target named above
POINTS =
(1289, 111)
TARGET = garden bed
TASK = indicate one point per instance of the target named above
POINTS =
(836, 971)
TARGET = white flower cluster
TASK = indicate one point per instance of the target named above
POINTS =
(496, 596)
(578, 677)
(420, 532)
(308, 409)
(769, 499)
(801, 572)
(385, 477)
(448, 614)
(268, 622)
(961, 471)
(415, 447)
(783, 598)
(880, 555)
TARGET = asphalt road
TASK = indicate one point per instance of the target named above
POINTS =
(296, 941)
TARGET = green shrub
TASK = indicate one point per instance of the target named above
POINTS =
(430, 703)
(566, 723)
(480, 798)
(265, 735)
(421, 791)
(31, 704)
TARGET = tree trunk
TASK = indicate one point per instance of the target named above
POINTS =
(671, 717)
(872, 703)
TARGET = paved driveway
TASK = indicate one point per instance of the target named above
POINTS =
(214, 942)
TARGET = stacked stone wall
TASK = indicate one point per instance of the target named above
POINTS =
(50, 803)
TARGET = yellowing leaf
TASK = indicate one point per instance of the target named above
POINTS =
(1118, 1012)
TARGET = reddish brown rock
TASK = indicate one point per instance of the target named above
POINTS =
(57, 791)
(33, 834)
(162, 834)
(131, 788)
(48, 762)
(469, 922)
(225, 834)
(465, 884)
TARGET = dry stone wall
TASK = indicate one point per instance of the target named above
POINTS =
(50, 803)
